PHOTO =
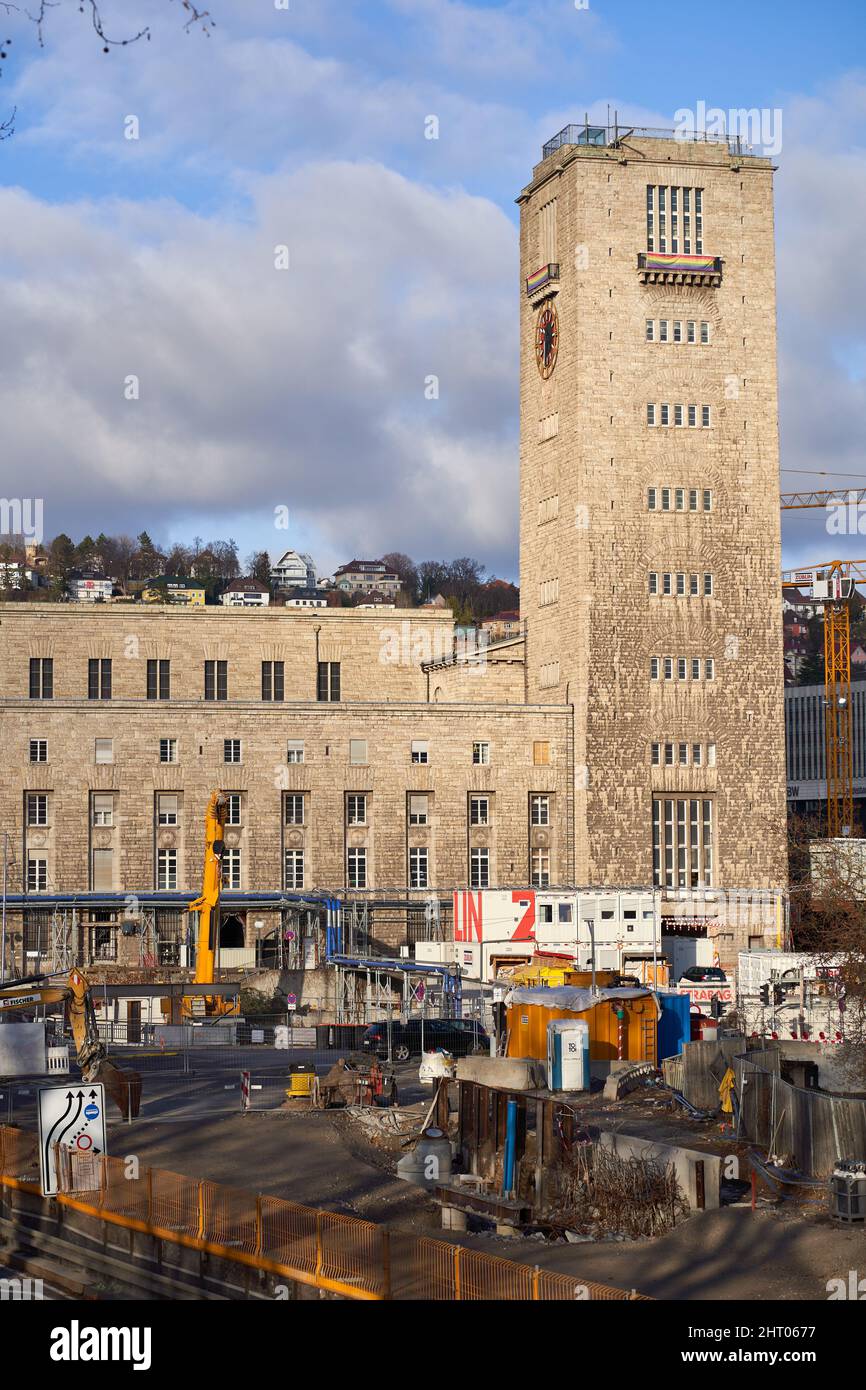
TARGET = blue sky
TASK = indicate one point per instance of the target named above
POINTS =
(258, 389)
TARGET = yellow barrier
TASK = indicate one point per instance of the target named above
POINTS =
(341, 1254)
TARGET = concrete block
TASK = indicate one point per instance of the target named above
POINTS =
(685, 1163)
(505, 1073)
(22, 1049)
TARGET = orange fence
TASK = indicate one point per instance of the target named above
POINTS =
(342, 1254)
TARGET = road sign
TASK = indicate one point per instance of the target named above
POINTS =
(72, 1117)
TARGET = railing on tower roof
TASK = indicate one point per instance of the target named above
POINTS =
(612, 135)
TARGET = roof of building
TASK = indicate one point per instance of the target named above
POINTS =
(174, 581)
(508, 615)
(376, 566)
(248, 585)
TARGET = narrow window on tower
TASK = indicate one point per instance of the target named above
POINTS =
(650, 231)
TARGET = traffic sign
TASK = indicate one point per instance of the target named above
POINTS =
(72, 1117)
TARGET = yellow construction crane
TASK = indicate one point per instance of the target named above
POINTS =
(832, 584)
(208, 908)
(124, 1087)
(798, 501)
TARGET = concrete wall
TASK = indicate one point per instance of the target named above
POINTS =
(22, 1048)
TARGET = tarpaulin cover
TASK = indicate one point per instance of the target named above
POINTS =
(578, 1000)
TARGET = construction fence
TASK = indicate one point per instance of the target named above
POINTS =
(339, 1254)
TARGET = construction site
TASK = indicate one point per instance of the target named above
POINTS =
(492, 985)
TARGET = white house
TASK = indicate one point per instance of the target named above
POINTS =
(294, 570)
(245, 593)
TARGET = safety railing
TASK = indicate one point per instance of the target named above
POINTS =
(341, 1254)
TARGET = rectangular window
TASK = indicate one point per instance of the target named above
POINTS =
(705, 417)
(540, 868)
(678, 328)
(682, 833)
(678, 415)
(38, 750)
(654, 668)
(710, 669)
(166, 870)
(708, 585)
(41, 678)
(103, 808)
(232, 868)
(167, 804)
(328, 682)
(418, 867)
(539, 810)
(651, 499)
(168, 750)
(273, 680)
(231, 750)
(650, 413)
(690, 330)
(356, 866)
(655, 754)
(294, 809)
(37, 808)
(711, 755)
(666, 499)
(37, 873)
(669, 668)
(663, 330)
(104, 750)
(693, 586)
(479, 868)
(358, 752)
(294, 876)
(697, 755)
(666, 584)
(418, 808)
(481, 754)
(479, 810)
(683, 754)
(295, 751)
(103, 882)
(696, 668)
(664, 413)
(233, 808)
(705, 332)
(693, 416)
(693, 499)
(541, 753)
(680, 499)
(99, 678)
(653, 583)
(216, 680)
(420, 752)
(681, 585)
(158, 679)
(669, 755)
(708, 500)
(650, 330)
(356, 808)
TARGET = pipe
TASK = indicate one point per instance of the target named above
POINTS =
(510, 1148)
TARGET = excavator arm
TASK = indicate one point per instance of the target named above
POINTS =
(208, 904)
(124, 1087)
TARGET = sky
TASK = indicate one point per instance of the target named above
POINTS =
(231, 259)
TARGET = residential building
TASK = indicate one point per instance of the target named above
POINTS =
(502, 625)
(88, 586)
(294, 570)
(367, 577)
(245, 593)
(174, 589)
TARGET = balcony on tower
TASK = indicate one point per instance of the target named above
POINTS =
(542, 283)
(676, 268)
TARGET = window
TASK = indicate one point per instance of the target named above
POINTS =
(539, 810)
(418, 809)
(696, 668)
(479, 868)
(479, 810)
(37, 808)
(328, 681)
(103, 808)
(653, 583)
(651, 499)
(158, 679)
(697, 755)
(356, 864)
(232, 868)
(655, 754)
(420, 752)
(663, 330)
(681, 585)
(683, 754)
(166, 870)
(705, 332)
(682, 834)
(481, 753)
(104, 750)
(99, 678)
(231, 750)
(418, 867)
(356, 808)
(167, 804)
(294, 809)
(38, 750)
(294, 877)
(680, 499)
(216, 680)
(681, 668)
(666, 499)
(295, 751)
(708, 585)
(690, 330)
(678, 415)
(678, 331)
(541, 753)
(41, 678)
(666, 583)
(273, 680)
(168, 750)
(664, 413)
(540, 868)
(37, 873)
(693, 585)
(654, 668)
(669, 755)
(650, 330)
(708, 500)
(233, 808)
(709, 669)
(669, 668)
(358, 752)
(705, 417)
(711, 755)
(650, 413)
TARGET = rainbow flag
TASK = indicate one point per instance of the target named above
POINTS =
(671, 260)
(540, 278)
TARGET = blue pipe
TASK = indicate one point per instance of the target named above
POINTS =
(510, 1149)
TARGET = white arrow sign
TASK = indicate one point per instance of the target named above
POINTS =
(72, 1117)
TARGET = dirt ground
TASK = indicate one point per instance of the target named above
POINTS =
(322, 1159)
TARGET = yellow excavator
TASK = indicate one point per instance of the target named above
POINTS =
(124, 1087)
(208, 908)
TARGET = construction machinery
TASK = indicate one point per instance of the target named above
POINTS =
(124, 1087)
(209, 1006)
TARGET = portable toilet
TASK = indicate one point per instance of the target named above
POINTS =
(568, 1054)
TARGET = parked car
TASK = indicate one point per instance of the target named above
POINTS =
(459, 1036)
(703, 975)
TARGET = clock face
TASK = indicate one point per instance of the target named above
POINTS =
(546, 340)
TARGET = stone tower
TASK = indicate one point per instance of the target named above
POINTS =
(650, 525)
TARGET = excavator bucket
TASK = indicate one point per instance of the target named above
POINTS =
(124, 1087)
